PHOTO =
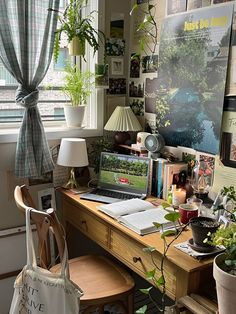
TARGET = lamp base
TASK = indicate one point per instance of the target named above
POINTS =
(121, 137)
(72, 183)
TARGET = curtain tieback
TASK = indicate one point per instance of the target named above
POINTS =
(25, 98)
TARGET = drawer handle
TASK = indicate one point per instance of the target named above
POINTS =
(83, 222)
(136, 259)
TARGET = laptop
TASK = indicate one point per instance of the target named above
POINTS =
(121, 177)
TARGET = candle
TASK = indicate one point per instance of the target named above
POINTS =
(179, 196)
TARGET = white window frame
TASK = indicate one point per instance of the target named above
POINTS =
(9, 134)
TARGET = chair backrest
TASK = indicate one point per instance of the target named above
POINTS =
(43, 221)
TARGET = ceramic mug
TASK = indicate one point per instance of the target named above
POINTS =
(187, 211)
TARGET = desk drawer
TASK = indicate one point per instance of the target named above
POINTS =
(132, 254)
(86, 223)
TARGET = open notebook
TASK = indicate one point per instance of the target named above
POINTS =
(138, 215)
(121, 177)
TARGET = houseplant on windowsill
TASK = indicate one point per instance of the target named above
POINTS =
(78, 86)
(77, 28)
(224, 267)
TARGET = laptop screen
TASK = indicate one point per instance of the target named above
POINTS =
(125, 173)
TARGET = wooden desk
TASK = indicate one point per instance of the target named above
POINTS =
(184, 274)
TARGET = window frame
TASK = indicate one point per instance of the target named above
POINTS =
(55, 130)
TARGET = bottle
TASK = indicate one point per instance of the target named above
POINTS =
(170, 194)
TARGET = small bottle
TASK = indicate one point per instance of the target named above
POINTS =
(170, 194)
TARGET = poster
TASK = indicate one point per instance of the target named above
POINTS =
(193, 58)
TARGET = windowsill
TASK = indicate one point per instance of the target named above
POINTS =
(10, 135)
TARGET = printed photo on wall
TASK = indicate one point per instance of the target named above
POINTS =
(150, 105)
(117, 66)
(117, 86)
(196, 4)
(206, 166)
(137, 106)
(117, 25)
(151, 87)
(115, 47)
(176, 6)
(46, 199)
(134, 65)
(228, 128)
(101, 76)
(150, 122)
(194, 88)
(149, 64)
(136, 89)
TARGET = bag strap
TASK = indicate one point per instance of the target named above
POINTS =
(31, 256)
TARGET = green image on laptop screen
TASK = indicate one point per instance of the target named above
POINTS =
(122, 170)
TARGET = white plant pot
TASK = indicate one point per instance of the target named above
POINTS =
(74, 115)
(225, 287)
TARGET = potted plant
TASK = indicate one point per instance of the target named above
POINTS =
(78, 86)
(201, 228)
(224, 267)
(77, 28)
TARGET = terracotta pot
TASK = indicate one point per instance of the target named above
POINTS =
(76, 47)
(74, 115)
(225, 287)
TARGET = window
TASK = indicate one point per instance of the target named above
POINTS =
(51, 99)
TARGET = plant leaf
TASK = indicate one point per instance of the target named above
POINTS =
(142, 310)
(161, 281)
(165, 205)
(149, 249)
(157, 225)
(168, 233)
(135, 6)
(173, 216)
(150, 274)
(145, 291)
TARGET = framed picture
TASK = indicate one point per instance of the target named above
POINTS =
(117, 66)
(46, 199)
(228, 149)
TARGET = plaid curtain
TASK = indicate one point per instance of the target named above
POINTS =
(26, 46)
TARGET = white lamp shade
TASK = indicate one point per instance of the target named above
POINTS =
(123, 119)
(73, 153)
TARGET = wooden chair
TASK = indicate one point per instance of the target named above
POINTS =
(102, 281)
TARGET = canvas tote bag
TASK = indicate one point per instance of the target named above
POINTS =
(38, 291)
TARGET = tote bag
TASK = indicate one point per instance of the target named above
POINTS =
(38, 291)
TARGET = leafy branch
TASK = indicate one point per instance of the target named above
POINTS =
(147, 27)
(160, 281)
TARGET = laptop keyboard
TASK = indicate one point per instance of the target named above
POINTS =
(114, 194)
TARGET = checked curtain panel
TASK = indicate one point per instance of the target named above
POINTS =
(26, 46)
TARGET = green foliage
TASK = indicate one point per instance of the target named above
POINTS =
(162, 110)
(142, 310)
(78, 85)
(156, 275)
(72, 24)
(147, 28)
(98, 146)
(227, 238)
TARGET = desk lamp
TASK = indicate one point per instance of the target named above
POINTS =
(122, 121)
(72, 153)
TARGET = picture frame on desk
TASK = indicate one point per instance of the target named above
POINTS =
(228, 149)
